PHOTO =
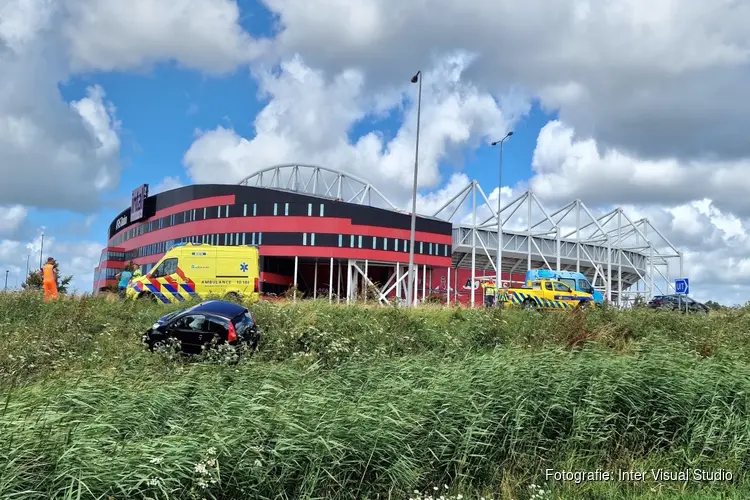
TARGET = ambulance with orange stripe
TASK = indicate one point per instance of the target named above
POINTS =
(199, 271)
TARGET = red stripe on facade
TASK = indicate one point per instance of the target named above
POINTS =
(278, 224)
(353, 253)
(212, 201)
(336, 252)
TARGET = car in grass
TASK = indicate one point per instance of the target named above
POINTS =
(675, 302)
(203, 326)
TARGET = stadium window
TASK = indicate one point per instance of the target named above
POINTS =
(359, 242)
(231, 239)
(243, 238)
(276, 209)
(446, 250)
(193, 214)
(321, 210)
(374, 242)
(260, 238)
(255, 209)
(252, 239)
(304, 239)
(385, 243)
(218, 212)
(351, 241)
(237, 239)
(204, 214)
(286, 208)
(395, 245)
(244, 210)
(421, 247)
(226, 212)
(309, 209)
(312, 239)
(225, 239)
(341, 239)
(430, 249)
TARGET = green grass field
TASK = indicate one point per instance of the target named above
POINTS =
(368, 402)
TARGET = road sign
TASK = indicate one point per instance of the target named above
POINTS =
(682, 286)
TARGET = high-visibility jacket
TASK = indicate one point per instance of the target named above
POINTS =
(49, 273)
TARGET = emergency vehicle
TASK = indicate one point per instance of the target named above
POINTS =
(575, 280)
(198, 271)
(545, 294)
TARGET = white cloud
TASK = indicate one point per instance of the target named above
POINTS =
(167, 183)
(666, 79)
(309, 117)
(567, 167)
(67, 155)
(198, 34)
(77, 258)
(11, 218)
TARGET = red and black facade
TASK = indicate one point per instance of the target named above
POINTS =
(283, 225)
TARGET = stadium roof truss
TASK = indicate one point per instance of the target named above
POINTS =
(616, 253)
(320, 181)
(622, 258)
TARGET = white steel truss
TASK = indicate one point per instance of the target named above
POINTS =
(321, 182)
(622, 258)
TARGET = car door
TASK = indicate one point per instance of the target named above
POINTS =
(564, 296)
(217, 330)
(190, 330)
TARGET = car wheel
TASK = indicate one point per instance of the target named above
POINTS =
(528, 304)
(583, 305)
(157, 345)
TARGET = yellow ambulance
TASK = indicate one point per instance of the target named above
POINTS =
(199, 271)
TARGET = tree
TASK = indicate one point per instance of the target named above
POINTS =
(714, 305)
(34, 281)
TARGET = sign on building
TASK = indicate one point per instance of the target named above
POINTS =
(136, 205)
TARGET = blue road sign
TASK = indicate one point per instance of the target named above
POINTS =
(682, 286)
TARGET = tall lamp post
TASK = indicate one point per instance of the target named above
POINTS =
(410, 280)
(6, 279)
(499, 254)
(41, 249)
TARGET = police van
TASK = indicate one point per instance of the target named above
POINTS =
(199, 271)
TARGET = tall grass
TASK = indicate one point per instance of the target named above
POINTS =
(366, 402)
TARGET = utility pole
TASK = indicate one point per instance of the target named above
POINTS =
(417, 78)
(41, 249)
(499, 253)
(6, 279)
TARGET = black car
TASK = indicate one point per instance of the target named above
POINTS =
(209, 323)
(676, 302)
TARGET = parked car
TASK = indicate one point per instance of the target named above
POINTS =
(209, 323)
(676, 302)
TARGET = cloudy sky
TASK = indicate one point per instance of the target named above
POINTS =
(625, 102)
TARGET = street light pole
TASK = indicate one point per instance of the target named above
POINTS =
(499, 253)
(417, 78)
(6, 279)
(41, 249)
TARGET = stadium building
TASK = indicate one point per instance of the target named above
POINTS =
(333, 234)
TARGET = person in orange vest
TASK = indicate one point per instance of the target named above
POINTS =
(49, 280)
